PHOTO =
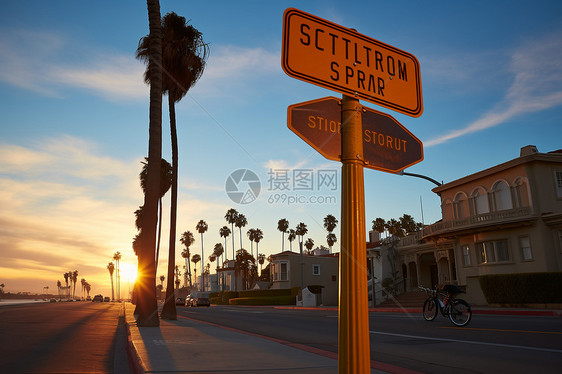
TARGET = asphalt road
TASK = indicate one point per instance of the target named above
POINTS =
(490, 344)
(65, 337)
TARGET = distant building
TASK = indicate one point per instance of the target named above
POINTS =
(505, 219)
(319, 270)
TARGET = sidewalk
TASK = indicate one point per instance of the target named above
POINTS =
(188, 346)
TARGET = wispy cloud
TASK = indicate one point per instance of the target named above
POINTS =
(537, 86)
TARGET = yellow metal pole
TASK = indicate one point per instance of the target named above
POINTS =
(353, 319)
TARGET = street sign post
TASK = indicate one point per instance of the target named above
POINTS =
(340, 59)
(387, 145)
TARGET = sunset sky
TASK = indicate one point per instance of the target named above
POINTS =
(74, 121)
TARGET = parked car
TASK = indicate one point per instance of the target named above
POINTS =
(180, 301)
(202, 301)
(98, 298)
(106, 299)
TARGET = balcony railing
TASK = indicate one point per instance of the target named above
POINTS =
(468, 222)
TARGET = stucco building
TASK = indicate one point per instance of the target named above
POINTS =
(505, 219)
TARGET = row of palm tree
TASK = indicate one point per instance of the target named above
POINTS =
(396, 227)
(70, 279)
(330, 223)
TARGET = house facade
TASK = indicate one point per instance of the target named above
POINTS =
(319, 270)
(505, 219)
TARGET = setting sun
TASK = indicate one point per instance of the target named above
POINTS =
(128, 272)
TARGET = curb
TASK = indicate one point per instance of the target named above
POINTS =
(135, 366)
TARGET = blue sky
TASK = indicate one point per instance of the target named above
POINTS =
(74, 120)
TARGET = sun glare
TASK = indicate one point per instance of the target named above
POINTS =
(128, 272)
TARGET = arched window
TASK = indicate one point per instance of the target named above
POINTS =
(502, 196)
(480, 199)
(460, 205)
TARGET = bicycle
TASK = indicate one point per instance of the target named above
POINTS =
(443, 300)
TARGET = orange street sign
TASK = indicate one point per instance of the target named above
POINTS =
(387, 145)
(340, 59)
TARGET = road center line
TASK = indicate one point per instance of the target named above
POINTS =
(468, 342)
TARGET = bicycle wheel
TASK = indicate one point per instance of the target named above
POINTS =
(459, 312)
(430, 309)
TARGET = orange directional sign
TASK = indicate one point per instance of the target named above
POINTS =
(340, 59)
(387, 145)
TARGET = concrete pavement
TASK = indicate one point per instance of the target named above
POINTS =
(190, 346)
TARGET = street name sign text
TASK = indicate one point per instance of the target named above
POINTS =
(340, 59)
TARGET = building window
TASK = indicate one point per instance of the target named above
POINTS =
(558, 180)
(281, 271)
(526, 251)
(460, 206)
(502, 196)
(481, 205)
(494, 251)
(465, 250)
(315, 269)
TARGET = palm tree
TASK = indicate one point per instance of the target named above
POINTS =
(261, 260)
(147, 304)
(408, 223)
(224, 232)
(251, 235)
(83, 283)
(59, 284)
(187, 240)
(309, 244)
(88, 288)
(201, 228)
(283, 226)
(165, 184)
(117, 258)
(74, 280)
(330, 223)
(241, 221)
(231, 216)
(195, 259)
(258, 235)
(331, 239)
(178, 275)
(218, 252)
(162, 278)
(291, 237)
(394, 228)
(111, 268)
(379, 225)
(300, 231)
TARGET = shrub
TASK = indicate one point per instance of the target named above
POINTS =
(522, 288)
(270, 300)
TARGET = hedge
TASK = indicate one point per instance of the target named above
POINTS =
(270, 300)
(522, 288)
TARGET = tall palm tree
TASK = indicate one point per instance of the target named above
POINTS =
(147, 306)
(218, 252)
(231, 216)
(117, 259)
(201, 228)
(82, 283)
(241, 221)
(183, 56)
(258, 236)
(195, 259)
(251, 235)
(301, 230)
(291, 237)
(309, 244)
(165, 184)
(162, 278)
(178, 275)
(187, 240)
(111, 269)
(330, 223)
(224, 232)
(74, 280)
(283, 226)
(394, 228)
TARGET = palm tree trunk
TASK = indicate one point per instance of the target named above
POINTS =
(148, 308)
(159, 235)
(169, 308)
